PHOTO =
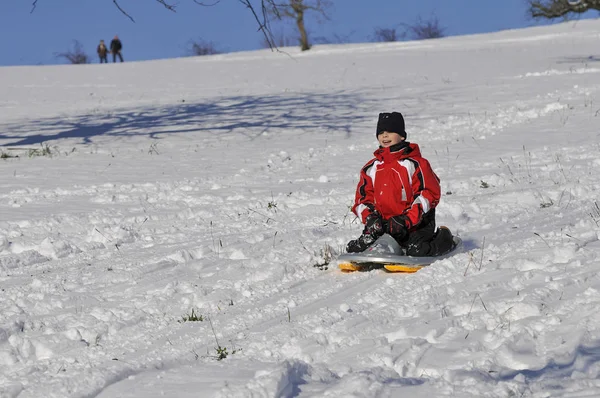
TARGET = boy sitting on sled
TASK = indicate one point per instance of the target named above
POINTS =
(397, 194)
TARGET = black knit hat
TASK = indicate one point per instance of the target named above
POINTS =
(392, 122)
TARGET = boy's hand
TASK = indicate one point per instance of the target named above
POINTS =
(360, 244)
(355, 246)
(374, 225)
(397, 227)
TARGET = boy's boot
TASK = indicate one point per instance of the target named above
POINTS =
(443, 241)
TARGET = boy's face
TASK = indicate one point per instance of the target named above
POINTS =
(387, 139)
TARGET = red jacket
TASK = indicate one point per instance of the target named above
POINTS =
(397, 182)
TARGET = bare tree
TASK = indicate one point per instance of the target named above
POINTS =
(75, 56)
(296, 10)
(419, 30)
(552, 9)
(201, 47)
(386, 35)
(425, 29)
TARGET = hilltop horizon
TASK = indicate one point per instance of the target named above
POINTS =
(39, 35)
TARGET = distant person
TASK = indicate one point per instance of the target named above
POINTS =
(115, 49)
(102, 52)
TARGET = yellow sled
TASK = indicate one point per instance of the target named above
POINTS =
(387, 254)
(351, 267)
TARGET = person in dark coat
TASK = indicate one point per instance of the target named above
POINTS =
(115, 48)
(102, 52)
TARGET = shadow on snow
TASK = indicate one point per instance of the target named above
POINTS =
(245, 115)
(579, 59)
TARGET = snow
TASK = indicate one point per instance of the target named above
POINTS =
(210, 187)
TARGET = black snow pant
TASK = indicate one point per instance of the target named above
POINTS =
(117, 54)
(103, 59)
(424, 240)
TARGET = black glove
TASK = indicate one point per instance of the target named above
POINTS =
(396, 227)
(360, 244)
(374, 225)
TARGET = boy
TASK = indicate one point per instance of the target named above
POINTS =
(397, 194)
(102, 52)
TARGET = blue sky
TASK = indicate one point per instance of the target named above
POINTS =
(35, 38)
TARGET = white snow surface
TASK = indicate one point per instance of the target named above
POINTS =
(212, 186)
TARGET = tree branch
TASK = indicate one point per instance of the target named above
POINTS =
(167, 6)
(267, 7)
(291, 8)
(552, 9)
(263, 25)
(123, 11)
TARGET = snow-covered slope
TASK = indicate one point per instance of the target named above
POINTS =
(135, 195)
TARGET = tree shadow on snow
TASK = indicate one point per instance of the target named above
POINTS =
(579, 59)
(247, 116)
